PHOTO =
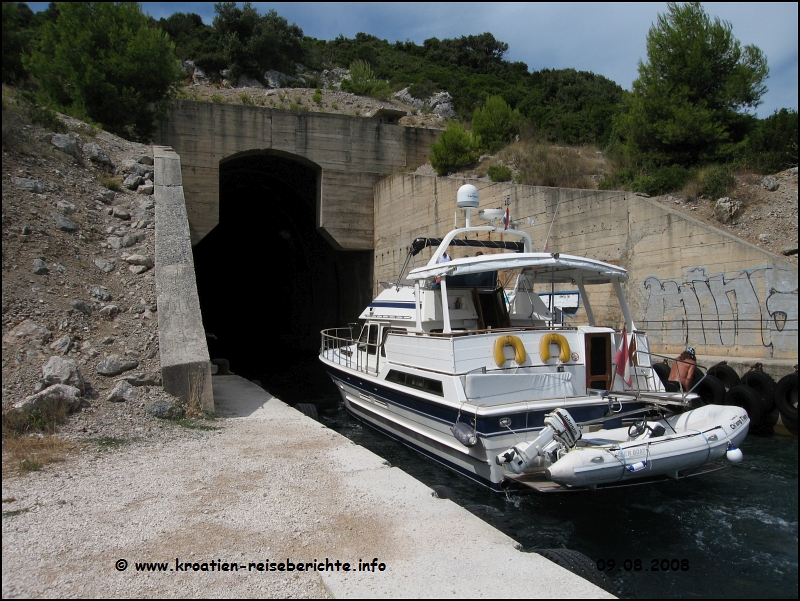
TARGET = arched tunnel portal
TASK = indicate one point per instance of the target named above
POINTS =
(268, 281)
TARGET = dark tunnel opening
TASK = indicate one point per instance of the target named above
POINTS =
(268, 281)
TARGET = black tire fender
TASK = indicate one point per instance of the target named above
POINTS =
(744, 396)
(763, 384)
(725, 374)
(308, 409)
(662, 369)
(786, 398)
(578, 564)
(711, 391)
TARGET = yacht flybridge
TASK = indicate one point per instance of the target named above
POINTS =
(497, 384)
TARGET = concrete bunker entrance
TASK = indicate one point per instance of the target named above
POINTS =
(268, 281)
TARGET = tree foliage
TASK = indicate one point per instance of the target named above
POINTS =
(107, 62)
(495, 123)
(17, 18)
(686, 105)
(253, 44)
(456, 148)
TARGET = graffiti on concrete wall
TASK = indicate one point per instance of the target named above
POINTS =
(755, 307)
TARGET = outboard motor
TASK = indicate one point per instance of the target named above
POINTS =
(560, 434)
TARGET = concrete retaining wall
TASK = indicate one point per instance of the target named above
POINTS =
(690, 284)
(185, 367)
(353, 154)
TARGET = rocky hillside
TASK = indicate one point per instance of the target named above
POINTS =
(760, 210)
(79, 306)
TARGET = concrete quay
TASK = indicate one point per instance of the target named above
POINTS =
(365, 509)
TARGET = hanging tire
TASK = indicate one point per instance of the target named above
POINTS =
(725, 374)
(711, 392)
(662, 369)
(786, 399)
(308, 409)
(578, 564)
(744, 396)
(763, 384)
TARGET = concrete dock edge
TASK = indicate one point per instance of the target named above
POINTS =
(185, 366)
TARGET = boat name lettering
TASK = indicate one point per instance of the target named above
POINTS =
(738, 422)
(634, 452)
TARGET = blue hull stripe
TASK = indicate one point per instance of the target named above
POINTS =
(437, 458)
(486, 426)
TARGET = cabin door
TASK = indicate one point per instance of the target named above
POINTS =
(491, 308)
(598, 361)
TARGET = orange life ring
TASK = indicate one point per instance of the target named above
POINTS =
(563, 345)
(515, 343)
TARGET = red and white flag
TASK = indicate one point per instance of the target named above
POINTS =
(506, 220)
(622, 358)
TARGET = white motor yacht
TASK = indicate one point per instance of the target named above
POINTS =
(499, 386)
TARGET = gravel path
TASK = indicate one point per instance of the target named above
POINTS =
(236, 493)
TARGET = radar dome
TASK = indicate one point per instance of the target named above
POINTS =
(467, 197)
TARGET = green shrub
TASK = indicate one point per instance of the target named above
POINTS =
(42, 115)
(662, 180)
(456, 148)
(109, 181)
(495, 123)
(245, 98)
(218, 99)
(362, 80)
(317, 97)
(500, 173)
(716, 181)
(772, 143)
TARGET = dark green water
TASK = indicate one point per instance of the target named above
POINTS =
(735, 530)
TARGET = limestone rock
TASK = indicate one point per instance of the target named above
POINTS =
(58, 393)
(123, 391)
(114, 365)
(165, 410)
(114, 242)
(82, 306)
(132, 239)
(28, 331)
(58, 370)
(147, 189)
(66, 207)
(100, 293)
(65, 224)
(133, 181)
(727, 209)
(62, 345)
(30, 184)
(142, 379)
(40, 267)
(109, 311)
(120, 213)
(96, 153)
(139, 260)
(247, 82)
(107, 196)
(66, 144)
(104, 264)
(770, 183)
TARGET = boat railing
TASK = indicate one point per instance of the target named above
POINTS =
(670, 361)
(340, 346)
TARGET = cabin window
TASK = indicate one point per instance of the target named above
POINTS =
(414, 381)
